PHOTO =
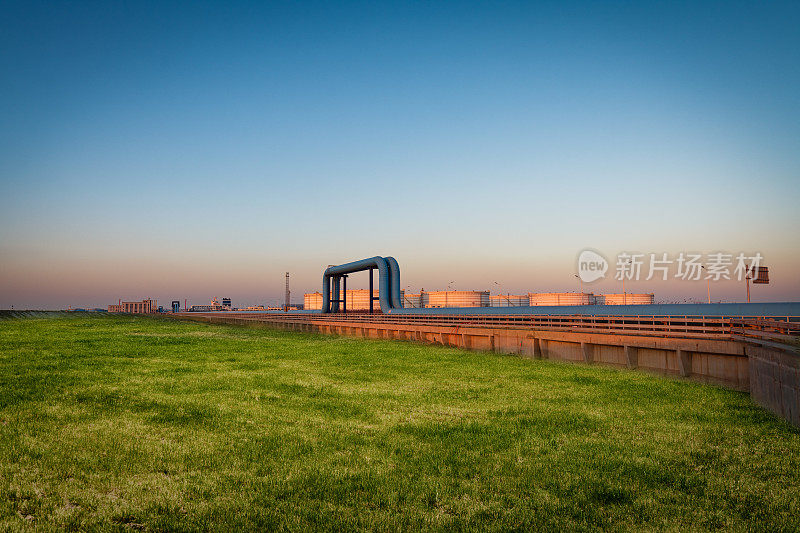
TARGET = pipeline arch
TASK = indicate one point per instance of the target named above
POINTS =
(388, 282)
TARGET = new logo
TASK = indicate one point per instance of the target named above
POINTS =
(591, 266)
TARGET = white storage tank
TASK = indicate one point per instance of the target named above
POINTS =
(358, 299)
(312, 300)
(626, 299)
(415, 301)
(508, 300)
(561, 298)
(458, 299)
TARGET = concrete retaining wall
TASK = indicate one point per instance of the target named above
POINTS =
(775, 381)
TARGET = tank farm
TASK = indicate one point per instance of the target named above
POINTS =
(752, 347)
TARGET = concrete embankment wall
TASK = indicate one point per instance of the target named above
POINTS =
(775, 381)
(770, 375)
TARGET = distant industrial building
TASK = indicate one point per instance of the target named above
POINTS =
(205, 308)
(292, 307)
(226, 304)
(176, 306)
(145, 306)
(214, 306)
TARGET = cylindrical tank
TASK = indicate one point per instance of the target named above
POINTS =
(625, 299)
(560, 298)
(508, 300)
(458, 299)
(415, 301)
(358, 299)
(411, 301)
(312, 300)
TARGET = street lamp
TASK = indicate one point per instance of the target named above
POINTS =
(747, 278)
(708, 284)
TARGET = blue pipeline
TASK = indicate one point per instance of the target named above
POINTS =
(385, 282)
(335, 305)
(394, 282)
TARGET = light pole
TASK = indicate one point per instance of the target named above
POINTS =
(708, 284)
(580, 284)
(747, 279)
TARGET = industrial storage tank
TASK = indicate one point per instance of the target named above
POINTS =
(458, 299)
(561, 298)
(625, 299)
(508, 300)
(415, 301)
(312, 300)
(358, 299)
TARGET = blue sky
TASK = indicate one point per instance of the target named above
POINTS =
(197, 150)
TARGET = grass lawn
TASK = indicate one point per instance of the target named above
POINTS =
(124, 422)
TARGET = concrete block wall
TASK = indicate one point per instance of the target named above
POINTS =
(775, 381)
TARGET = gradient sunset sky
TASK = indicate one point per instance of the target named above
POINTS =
(202, 149)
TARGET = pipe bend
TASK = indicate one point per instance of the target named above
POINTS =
(336, 271)
(394, 282)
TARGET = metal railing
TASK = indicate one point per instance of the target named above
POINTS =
(782, 331)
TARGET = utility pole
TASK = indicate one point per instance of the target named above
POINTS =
(747, 279)
(286, 302)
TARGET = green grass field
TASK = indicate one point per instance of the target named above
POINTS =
(135, 423)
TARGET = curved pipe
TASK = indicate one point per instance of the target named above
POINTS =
(337, 271)
(394, 282)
